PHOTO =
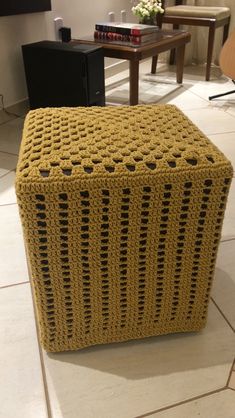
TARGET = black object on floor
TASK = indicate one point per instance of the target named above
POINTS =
(63, 74)
(222, 94)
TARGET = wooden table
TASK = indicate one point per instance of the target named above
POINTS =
(164, 40)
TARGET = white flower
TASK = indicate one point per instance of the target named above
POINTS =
(147, 8)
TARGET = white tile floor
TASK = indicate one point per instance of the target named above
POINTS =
(176, 376)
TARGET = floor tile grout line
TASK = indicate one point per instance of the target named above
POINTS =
(195, 94)
(208, 101)
(11, 115)
(8, 204)
(165, 408)
(230, 114)
(223, 315)
(184, 88)
(12, 285)
(8, 153)
(189, 109)
(230, 373)
(227, 240)
(44, 377)
(231, 389)
(43, 369)
(6, 174)
(9, 120)
(222, 133)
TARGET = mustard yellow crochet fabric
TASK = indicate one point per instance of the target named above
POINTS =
(122, 209)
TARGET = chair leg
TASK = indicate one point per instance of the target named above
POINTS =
(172, 57)
(154, 64)
(225, 32)
(222, 94)
(154, 59)
(172, 53)
(210, 47)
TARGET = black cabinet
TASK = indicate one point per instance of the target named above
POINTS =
(60, 74)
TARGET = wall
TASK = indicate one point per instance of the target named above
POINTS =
(23, 29)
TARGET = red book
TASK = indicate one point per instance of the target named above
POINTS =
(113, 36)
(125, 28)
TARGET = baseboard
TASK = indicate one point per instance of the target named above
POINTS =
(18, 109)
(116, 68)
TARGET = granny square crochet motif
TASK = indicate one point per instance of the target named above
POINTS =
(122, 209)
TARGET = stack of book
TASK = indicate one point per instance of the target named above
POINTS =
(136, 34)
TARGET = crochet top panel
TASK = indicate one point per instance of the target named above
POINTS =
(111, 141)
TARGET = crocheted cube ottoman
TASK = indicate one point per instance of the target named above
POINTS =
(122, 209)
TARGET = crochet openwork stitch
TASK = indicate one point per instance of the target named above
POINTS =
(122, 209)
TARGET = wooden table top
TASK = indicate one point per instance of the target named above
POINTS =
(163, 40)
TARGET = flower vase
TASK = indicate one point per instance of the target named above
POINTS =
(149, 20)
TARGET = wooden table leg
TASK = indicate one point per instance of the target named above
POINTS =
(210, 47)
(134, 82)
(154, 64)
(180, 63)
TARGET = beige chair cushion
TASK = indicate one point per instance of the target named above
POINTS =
(217, 13)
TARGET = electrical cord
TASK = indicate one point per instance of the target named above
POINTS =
(6, 111)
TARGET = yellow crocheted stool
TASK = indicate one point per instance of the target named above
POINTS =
(122, 209)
